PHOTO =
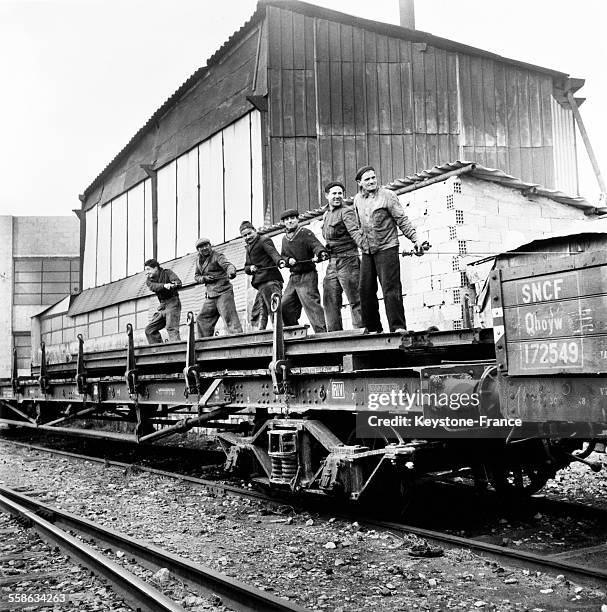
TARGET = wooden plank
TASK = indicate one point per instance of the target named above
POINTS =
(393, 50)
(310, 80)
(325, 151)
(478, 99)
(288, 103)
(584, 355)
(336, 98)
(314, 186)
(512, 120)
(286, 37)
(302, 189)
(431, 91)
(290, 172)
(535, 113)
(337, 143)
(274, 37)
(539, 172)
(275, 83)
(334, 42)
(398, 157)
(467, 129)
(489, 110)
(370, 46)
(362, 159)
(409, 153)
(385, 158)
(299, 42)
(406, 81)
(444, 149)
(359, 98)
(278, 178)
(348, 97)
(371, 98)
(442, 90)
(454, 147)
(383, 97)
(350, 165)
(503, 158)
(301, 103)
(526, 164)
(324, 97)
(491, 157)
(523, 108)
(501, 133)
(373, 151)
(382, 48)
(546, 110)
(358, 45)
(419, 98)
(309, 42)
(345, 34)
(395, 99)
(515, 162)
(557, 319)
(421, 162)
(322, 40)
(452, 94)
(432, 157)
(549, 167)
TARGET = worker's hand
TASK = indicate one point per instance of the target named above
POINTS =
(232, 274)
(253, 269)
(292, 262)
(418, 248)
(168, 285)
(323, 256)
(282, 264)
(206, 279)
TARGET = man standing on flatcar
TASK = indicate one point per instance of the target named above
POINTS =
(300, 248)
(214, 271)
(344, 266)
(165, 284)
(262, 263)
(380, 215)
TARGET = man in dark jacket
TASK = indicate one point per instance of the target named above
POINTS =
(299, 247)
(215, 271)
(380, 216)
(165, 284)
(344, 266)
(262, 263)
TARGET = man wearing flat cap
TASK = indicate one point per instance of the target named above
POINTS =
(300, 248)
(344, 266)
(165, 284)
(214, 271)
(380, 215)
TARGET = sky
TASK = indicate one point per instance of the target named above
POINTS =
(78, 78)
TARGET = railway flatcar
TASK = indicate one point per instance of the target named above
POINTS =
(355, 415)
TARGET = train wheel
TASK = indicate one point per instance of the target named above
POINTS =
(518, 480)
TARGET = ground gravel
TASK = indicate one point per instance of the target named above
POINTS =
(319, 562)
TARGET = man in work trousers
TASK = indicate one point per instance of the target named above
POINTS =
(299, 247)
(165, 284)
(344, 266)
(379, 215)
(262, 262)
(214, 271)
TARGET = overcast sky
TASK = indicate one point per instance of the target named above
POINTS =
(78, 78)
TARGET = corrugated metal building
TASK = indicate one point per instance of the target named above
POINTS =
(300, 95)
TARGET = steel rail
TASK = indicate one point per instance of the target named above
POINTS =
(235, 594)
(133, 589)
(541, 562)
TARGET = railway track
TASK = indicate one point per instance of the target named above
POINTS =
(57, 526)
(566, 562)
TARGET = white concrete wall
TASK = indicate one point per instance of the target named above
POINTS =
(6, 294)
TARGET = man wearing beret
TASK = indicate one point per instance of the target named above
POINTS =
(380, 215)
(214, 271)
(299, 247)
(262, 263)
(344, 266)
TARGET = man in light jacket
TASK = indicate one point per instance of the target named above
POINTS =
(379, 216)
(214, 271)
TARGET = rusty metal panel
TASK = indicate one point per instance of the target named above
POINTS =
(572, 399)
(89, 265)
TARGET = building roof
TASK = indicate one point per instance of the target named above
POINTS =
(321, 13)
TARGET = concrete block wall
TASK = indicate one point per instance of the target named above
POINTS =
(47, 236)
